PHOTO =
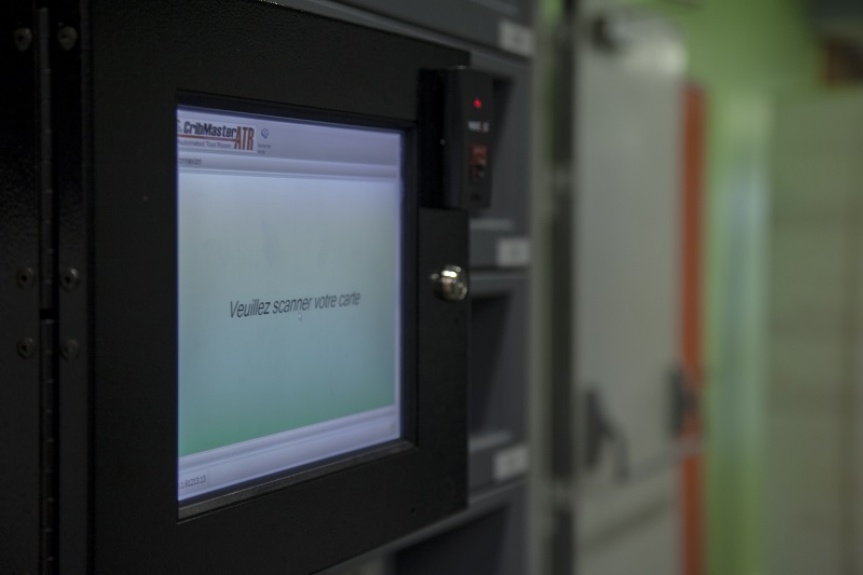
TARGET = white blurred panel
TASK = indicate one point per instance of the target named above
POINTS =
(627, 260)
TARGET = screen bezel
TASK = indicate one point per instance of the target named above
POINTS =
(138, 56)
(406, 385)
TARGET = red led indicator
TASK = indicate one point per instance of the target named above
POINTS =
(477, 103)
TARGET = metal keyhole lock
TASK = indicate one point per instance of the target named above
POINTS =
(450, 283)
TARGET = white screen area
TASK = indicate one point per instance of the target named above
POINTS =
(289, 238)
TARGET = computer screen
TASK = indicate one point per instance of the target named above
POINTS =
(289, 294)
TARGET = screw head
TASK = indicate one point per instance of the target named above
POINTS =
(70, 349)
(23, 37)
(69, 279)
(67, 36)
(26, 347)
(26, 278)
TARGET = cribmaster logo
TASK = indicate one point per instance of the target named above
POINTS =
(218, 136)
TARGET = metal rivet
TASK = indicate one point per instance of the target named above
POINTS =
(26, 347)
(26, 278)
(69, 279)
(23, 38)
(67, 36)
(70, 349)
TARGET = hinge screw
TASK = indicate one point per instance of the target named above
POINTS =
(26, 278)
(67, 36)
(70, 349)
(26, 347)
(69, 279)
(23, 38)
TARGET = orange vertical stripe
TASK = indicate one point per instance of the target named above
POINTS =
(692, 471)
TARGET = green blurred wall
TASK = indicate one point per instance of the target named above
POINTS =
(747, 55)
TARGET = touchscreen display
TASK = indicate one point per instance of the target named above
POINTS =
(289, 267)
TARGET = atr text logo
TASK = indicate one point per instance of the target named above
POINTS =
(222, 136)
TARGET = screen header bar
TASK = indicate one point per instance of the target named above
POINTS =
(221, 136)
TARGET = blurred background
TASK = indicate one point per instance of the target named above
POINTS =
(705, 211)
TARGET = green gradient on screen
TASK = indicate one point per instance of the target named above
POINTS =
(247, 237)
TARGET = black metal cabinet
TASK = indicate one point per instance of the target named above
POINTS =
(88, 339)
(89, 222)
